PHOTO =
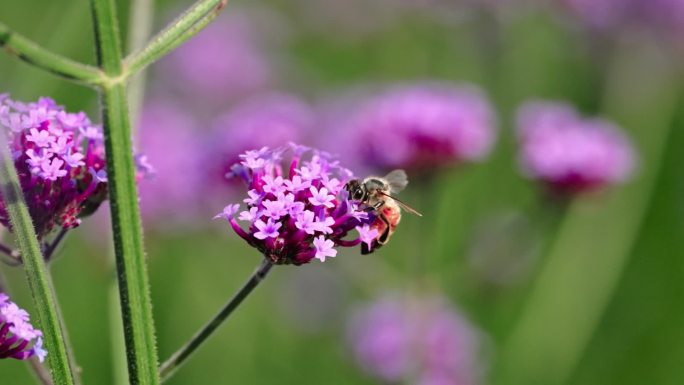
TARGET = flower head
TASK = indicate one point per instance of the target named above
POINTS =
(399, 338)
(422, 127)
(571, 153)
(290, 224)
(18, 338)
(60, 160)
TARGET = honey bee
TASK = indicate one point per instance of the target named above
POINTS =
(377, 193)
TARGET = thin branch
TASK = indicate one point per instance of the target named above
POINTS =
(38, 278)
(179, 31)
(39, 371)
(167, 369)
(52, 246)
(30, 52)
(10, 256)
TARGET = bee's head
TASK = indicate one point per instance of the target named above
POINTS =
(356, 190)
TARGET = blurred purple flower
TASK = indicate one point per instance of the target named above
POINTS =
(665, 15)
(285, 223)
(569, 153)
(401, 338)
(59, 157)
(170, 141)
(600, 14)
(18, 338)
(226, 60)
(418, 127)
(272, 119)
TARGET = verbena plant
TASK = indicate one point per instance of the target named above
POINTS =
(110, 78)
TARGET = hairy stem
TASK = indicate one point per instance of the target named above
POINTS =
(178, 358)
(32, 53)
(179, 31)
(136, 306)
(39, 281)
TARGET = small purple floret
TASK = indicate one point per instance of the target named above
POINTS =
(368, 234)
(324, 248)
(266, 230)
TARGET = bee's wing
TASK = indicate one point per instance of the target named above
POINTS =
(403, 205)
(397, 180)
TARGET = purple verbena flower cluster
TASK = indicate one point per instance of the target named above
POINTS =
(571, 153)
(422, 127)
(298, 212)
(60, 159)
(422, 339)
(18, 338)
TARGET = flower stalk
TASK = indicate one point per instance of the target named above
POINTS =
(179, 31)
(110, 78)
(167, 369)
(37, 276)
(130, 256)
(30, 52)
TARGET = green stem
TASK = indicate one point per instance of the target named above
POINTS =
(177, 359)
(35, 269)
(136, 306)
(39, 371)
(179, 31)
(52, 246)
(32, 53)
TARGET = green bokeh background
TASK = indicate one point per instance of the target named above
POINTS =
(601, 304)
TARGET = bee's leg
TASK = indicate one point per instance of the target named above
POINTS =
(384, 237)
(365, 249)
(374, 207)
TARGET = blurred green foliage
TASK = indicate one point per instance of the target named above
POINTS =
(606, 310)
